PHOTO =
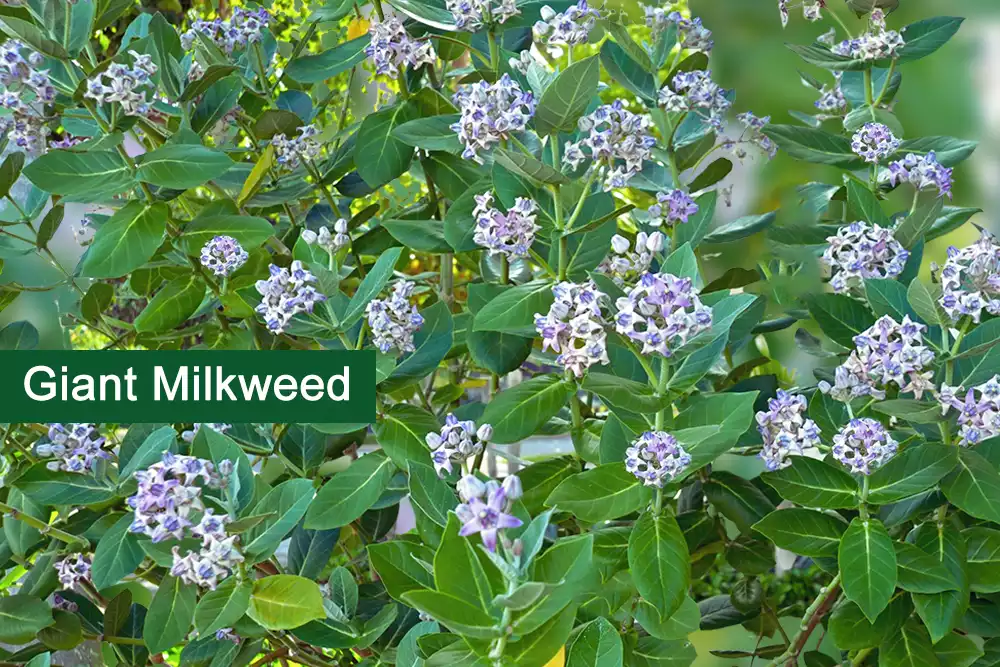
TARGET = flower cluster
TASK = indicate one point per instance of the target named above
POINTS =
(672, 207)
(165, 505)
(73, 569)
(662, 312)
(223, 255)
(691, 33)
(471, 15)
(58, 601)
(921, 171)
(860, 251)
(875, 44)
(574, 326)
(24, 87)
(128, 86)
(628, 262)
(227, 634)
(189, 436)
(393, 321)
(285, 294)
(570, 27)
(863, 446)
(327, 240)
(243, 28)
(978, 415)
(510, 234)
(832, 100)
(458, 441)
(491, 112)
(695, 91)
(613, 133)
(486, 507)
(291, 152)
(391, 47)
(874, 142)
(656, 458)
(77, 446)
(970, 279)
(753, 135)
(812, 10)
(785, 430)
(888, 352)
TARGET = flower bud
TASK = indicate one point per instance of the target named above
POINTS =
(470, 487)
(512, 487)
(517, 548)
(655, 242)
(484, 433)
(309, 236)
(619, 244)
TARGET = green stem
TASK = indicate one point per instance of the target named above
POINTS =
(327, 195)
(814, 614)
(41, 526)
(494, 49)
(860, 658)
(582, 200)
(885, 84)
(661, 388)
(262, 72)
(863, 503)
(504, 270)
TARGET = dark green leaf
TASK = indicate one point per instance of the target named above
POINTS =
(182, 166)
(126, 241)
(172, 305)
(517, 412)
(814, 483)
(914, 470)
(379, 155)
(567, 98)
(170, 614)
(603, 493)
(350, 493)
(804, 532)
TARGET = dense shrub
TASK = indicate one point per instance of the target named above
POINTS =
(517, 229)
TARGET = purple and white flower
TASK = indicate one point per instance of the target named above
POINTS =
(457, 442)
(333, 241)
(831, 99)
(568, 28)
(77, 447)
(812, 10)
(970, 279)
(860, 251)
(131, 87)
(509, 234)
(395, 320)
(922, 172)
(874, 142)
(244, 27)
(491, 112)
(487, 514)
(873, 45)
(753, 135)
(656, 458)
(290, 152)
(662, 313)
(471, 15)
(189, 436)
(863, 446)
(613, 133)
(23, 90)
(391, 47)
(73, 569)
(628, 261)
(696, 92)
(672, 207)
(285, 294)
(691, 34)
(978, 411)
(574, 327)
(888, 353)
(785, 430)
(223, 255)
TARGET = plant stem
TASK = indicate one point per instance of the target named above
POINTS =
(504, 270)
(886, 83)
(814, 614)
(42, 526)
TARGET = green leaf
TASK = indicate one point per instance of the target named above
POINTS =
(432, 343)
(250, 232)
(741, 228)
(852, 631)
(941, 612)
(624, 394)
(567, 98)
(126, 241)
(868, 566)
(21, 616)
(909, 647)
(653, 652)
(420, 235)
(19, 336)
(983, 558)
(701, 416)
(218, 447)
(172, 305)
(913, 411)
(49, 225)
(351, 493)
(600, 494)
(458, 570)
(459, 223)
(948, 150)
(596, 645)
(840, 317)
(459, 615)
(310, 550)
(518, 412)
(914, 227)
(513, 310)
(58, 487)
(626, 71)
(528, 167)
(433, 133)
(328, 64)
(163, 439)
(658, 559)
(381, 157)
(407, 652)
(737, 499)
(288, 502)
(813, 483)
(925, 37)
(822, 56)
(398, 567)
(804, 532)
(974, 486)
(376, 279)
(182, 166)
(813, 145)
(955, 650)
(920, 572)
(543, 644)
(117, 554)
(979, 355)
(19, 535)
(912, 471)
(10, 171)
(170, 614)
(711, 175)
(65, 635)
(924, 303)
(696, 228)
(429, 493)
(678, 625)
(401, 433)
(26, 31)
(285, 601)
(198, 87)
(696, 365)
(222, 607)
(952, 217)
